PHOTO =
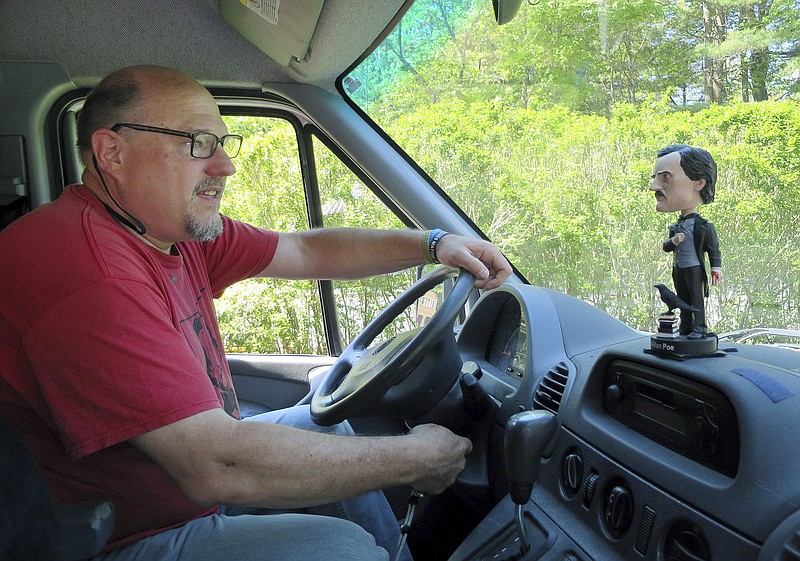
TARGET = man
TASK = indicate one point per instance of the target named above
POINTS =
(685, 177)
(110, 363)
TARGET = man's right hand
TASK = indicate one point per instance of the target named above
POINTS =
(442, 457)
(678, 238)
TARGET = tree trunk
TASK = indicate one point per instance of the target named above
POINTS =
(744, 61)
(714, 68)
(759, 59)
(759, 67)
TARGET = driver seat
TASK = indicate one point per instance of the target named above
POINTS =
(31, 525)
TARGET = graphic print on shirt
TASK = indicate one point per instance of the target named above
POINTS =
(207, 350)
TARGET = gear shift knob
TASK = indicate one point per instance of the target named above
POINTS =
(527, 434)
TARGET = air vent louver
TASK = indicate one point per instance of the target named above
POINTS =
(551, 388)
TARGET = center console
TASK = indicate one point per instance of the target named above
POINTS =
(587, 505)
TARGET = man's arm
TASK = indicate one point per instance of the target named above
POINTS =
(214, 458)
(349, 253)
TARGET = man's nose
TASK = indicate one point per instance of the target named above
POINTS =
(220, 164)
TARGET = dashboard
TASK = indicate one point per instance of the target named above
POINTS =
(654, 458)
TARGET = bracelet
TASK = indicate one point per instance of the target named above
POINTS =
(434, 237)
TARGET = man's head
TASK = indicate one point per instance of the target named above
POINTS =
(684, 177)
(152, 174)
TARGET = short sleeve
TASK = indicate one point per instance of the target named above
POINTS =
(241, 252)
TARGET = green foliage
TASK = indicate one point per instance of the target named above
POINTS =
(272, 316)
(566, 197)
(586, 54)
(269, 315)
(281, 316)
(544, 131)
(347, 202)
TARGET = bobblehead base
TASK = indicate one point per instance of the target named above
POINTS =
(669, 343)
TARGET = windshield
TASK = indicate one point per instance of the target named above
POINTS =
(545, 131)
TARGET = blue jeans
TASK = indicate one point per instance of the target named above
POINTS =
(254, 534)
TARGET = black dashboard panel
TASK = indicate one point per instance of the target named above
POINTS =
(683, 415)
(761, 493)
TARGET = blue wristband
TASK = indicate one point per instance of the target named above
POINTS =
(434, 238)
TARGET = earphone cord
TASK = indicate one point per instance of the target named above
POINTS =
(405, 527)
(131, 221)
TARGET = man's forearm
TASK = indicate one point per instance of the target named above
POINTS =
(282, 467)
(278, 466)
(346, 253)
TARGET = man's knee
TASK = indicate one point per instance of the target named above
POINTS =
(343, 540)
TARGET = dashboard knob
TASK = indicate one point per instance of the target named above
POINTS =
(572, 473)
(589, 487)
(613, 393)
(618, 510)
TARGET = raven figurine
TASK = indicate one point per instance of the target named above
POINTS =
(672, 301)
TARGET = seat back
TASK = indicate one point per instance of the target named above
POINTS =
(27, 516)
(13, 182)
(31, 526)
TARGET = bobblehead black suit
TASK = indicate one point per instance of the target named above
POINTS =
(691, 283)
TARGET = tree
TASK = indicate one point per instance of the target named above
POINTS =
(544, 132)
(509, 138)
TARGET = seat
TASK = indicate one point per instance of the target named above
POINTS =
(13, 183)
(31, 525)
(11, 207)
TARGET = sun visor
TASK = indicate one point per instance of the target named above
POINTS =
(282, 30)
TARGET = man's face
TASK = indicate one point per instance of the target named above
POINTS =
(674, 191)
(176, 196)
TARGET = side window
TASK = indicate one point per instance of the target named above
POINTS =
(347, 202)
(269, 315)
(286, 317)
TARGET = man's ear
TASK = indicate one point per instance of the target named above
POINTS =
(699, 184)
(106, 150)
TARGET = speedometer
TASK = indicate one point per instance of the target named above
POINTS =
(508, 347)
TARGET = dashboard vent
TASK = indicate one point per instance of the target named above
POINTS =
(686, 542)
(551, 389)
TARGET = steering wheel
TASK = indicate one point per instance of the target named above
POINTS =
(362, 375)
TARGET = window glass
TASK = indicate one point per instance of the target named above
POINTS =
(545, 131)
(282, 316)
(347, 202)
(269, 315)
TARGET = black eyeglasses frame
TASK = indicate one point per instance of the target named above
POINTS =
(218, 141)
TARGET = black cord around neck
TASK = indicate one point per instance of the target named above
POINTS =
(131, 221)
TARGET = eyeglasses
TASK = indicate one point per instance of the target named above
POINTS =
(203, 143)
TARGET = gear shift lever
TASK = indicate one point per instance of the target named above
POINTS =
(527, 434)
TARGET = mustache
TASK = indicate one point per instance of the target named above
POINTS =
(210, 183)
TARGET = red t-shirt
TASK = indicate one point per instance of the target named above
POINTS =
(104, 338)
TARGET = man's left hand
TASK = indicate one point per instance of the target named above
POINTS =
(479, 257)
